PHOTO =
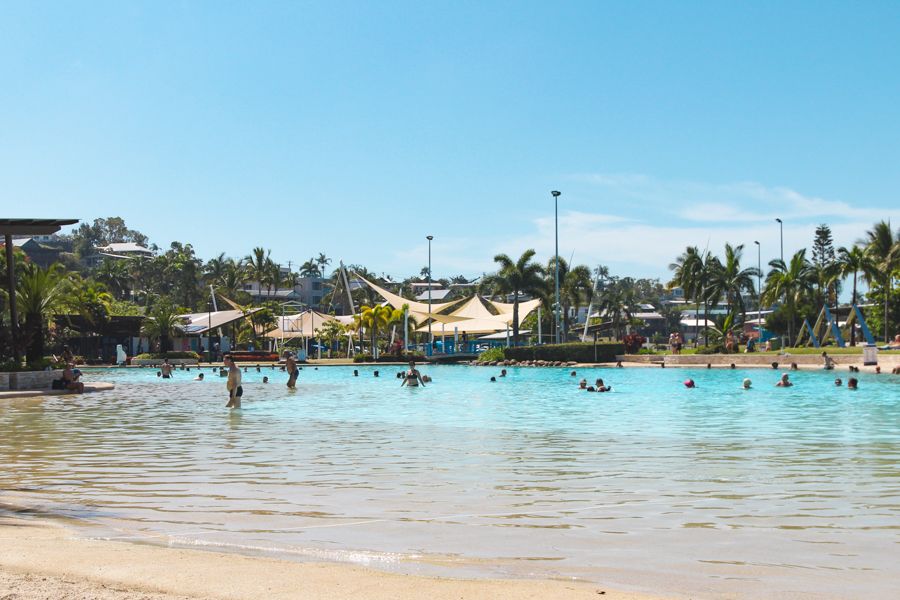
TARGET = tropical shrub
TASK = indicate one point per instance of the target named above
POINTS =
(577, 351)
(492, 354)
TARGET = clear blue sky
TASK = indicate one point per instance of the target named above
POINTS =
(358, 128)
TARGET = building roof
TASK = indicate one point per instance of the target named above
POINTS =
(124, 247)
(33, 226)
(435, 295)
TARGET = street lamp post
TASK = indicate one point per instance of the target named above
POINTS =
(556, 261)
(781, 238)
(430, 338)
(758, 290)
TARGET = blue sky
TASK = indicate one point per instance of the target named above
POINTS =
(358, 128)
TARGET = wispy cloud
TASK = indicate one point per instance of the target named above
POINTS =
(732, 202)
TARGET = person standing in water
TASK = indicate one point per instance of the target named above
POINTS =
(233, 384)
(291, 364)
(166, 369)
(412, 378)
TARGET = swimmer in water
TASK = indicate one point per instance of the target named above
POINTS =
(852, 383)
(747, 383)
(689, 383)
(502, 372)
(166, 369)
(602, 387)
(785, 381)
(413, 378)
(838, 382)
(582, 385)
(199, 377)
(291, 364)
(265, 379)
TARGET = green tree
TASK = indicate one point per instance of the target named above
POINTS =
(616, 303)
(162, 323)
(39, 292)
(792, 282)
(103, 232)
(373, 319)
(310, 269)
(113, 273)
(523, 276)
(331, 332)
(883, 251)
(852, 262)
(575, 288)
(728, 280)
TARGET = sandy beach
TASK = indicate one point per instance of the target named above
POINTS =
(43, 560)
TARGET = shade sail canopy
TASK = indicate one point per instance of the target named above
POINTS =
(525, 308)
(473, 326)
(303, 325)
(200, 323)
(398, 301)
(473, 308)
(501, 335)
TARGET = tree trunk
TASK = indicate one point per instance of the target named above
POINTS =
(34, 326)
(515, 322)
(853, 304)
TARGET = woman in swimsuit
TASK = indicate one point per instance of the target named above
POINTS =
(413, 378)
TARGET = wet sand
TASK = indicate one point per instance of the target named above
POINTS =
(42, 560)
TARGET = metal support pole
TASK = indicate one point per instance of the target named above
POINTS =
(556, 237)
(11, 286)
(758, 291)
(430, 336)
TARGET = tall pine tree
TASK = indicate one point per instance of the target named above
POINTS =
(827, 270)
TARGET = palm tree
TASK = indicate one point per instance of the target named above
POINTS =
(883, 251)
(793, 282)
(616, 302)
(520, 277)
(310, 269)
(38, 293)
(114, 273)
(689, 273)
(162, 323)
(257, 267)
(728, 280)
(575, 286)
(322, 261)
(373, 319)
(215, 268)
(853, 261)
(231, 281)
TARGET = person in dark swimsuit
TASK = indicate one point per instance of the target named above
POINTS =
(291, 364)
(413, 378)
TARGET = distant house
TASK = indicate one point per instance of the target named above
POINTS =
(310, 291)
(39, 254)
(119, 251)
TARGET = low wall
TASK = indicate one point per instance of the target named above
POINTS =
(158, 361)
(29, 380)
(753, 359)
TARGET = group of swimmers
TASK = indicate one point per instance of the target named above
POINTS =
(784, 382)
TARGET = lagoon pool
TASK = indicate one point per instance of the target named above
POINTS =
(650, 487)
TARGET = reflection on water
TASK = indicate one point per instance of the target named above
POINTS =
(781, 489)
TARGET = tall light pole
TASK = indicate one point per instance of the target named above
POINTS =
(781, 237)
(430, 338)
(556, 261)
(758, 291)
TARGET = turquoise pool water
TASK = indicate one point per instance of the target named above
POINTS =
(652, 486)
